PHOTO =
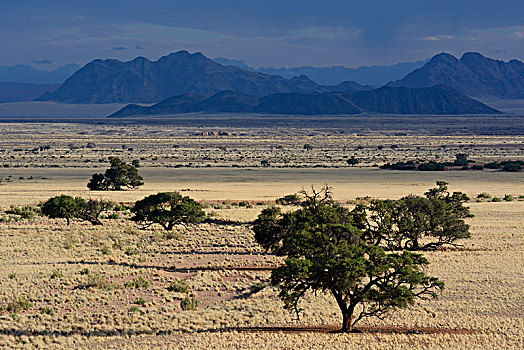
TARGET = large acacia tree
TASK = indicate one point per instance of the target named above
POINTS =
(167, 209)
(325, 251)
(119, 176)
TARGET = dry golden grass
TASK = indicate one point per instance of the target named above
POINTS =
(109, 286)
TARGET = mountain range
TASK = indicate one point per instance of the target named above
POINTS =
(472, 74)
(19, 92)
(371, 75)
(180, 73)
(22, 73)
(390, 100)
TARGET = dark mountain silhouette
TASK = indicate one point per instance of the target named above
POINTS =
(26, 74)
(433, 100)
(180, 73)
(472, 74)
(305, 104)
(20, 92)
(388, 100)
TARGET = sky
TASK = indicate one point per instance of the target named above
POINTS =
(51, 33)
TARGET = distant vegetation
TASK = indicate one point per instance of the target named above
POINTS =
(461, 162)
(118, 177)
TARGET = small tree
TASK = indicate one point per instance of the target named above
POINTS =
(167, 209)
(63, 206)
(461, 159)
(119, 176)
(325, 252)
(92, 209)
(353, 161)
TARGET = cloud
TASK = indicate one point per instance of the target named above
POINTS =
(118, 48)
(437, 37)
(43, 61)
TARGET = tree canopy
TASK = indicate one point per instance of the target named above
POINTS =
(119, 176)
(68, 207)
(63, 206)
(325, 251)
(415, 222)
(167, 209)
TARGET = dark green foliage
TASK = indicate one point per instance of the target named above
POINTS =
(167, 209)
(492, 165)
(325, 252)
(437, 218)
(25, 212)
(461, 159)
(409, 165)
(431, 166)
(512, 167)
(290, 199)
(353, 161)
(477, 167)
(119, 176)
(63, 206)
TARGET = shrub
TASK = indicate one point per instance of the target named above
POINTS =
(189, 304)
(167, 209)
(141, 302)
(512, 167)
(508, 198)
(47, 310)
(496, 199)
(477, 167)
(25, 212)
(178, 287)
(290, 199)
(119, 176)
(483, 195)
(139, 282)
(19, 305)
(57, 274)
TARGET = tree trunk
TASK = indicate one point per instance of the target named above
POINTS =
(347, 326)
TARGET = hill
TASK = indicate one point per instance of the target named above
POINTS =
(387, 100)
(472, 74)
(433, 100)
(22, 73)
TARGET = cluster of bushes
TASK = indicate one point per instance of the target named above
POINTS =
(509, 165)
(413, 165)
(364, 257)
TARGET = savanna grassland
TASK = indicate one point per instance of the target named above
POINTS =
(121, 286)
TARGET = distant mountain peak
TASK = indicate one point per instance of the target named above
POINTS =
(180, 73)
(473, 74)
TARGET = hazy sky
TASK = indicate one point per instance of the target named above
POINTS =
(50, 33)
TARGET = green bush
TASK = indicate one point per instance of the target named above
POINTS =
(19, 305)
(189, 304)
(496, 199)
(178, 287)
(139, 282)
(508, 198)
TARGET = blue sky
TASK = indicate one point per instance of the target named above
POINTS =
(47, 34)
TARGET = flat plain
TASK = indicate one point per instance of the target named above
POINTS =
(109, 286)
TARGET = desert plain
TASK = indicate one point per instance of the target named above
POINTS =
(111, 286)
